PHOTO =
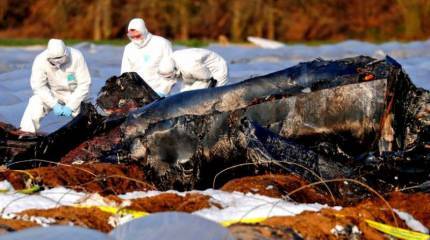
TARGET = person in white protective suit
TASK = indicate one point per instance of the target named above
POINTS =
(143, 55)
(196, 67)
(60, 81)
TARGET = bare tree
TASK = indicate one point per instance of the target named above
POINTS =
(97, 13)
(182, 7)
(3, 8)
(107, 18)
(270, 19)
(411, 14)
(241, 21)
(102, 19)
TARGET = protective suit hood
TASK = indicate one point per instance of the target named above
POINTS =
(56, 48)
(139, 25)
(56, 52)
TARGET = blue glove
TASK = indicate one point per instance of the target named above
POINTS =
(67, 112)
(58, 109)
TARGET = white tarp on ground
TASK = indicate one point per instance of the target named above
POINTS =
(235, 205)
(265, 43)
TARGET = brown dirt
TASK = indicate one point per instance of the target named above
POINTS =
(83, 217)
(172, 202)
(15, 225)
(98, 177)
(318, 225)
(262, 232)
(417, 204)
(276, 186)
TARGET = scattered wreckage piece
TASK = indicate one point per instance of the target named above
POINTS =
(123, 94)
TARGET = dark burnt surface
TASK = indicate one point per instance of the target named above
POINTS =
(303, 78)
(341, 109)
(344, 114)
(55, 145)
(13, 142)
(309, 76)
(124, 93)
(210, 143)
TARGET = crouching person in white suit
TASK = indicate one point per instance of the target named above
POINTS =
(60, 81)
(196, 67)
(143, 55)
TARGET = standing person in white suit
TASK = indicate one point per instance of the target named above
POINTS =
(143, 55)
(196, 67)
(60, 81)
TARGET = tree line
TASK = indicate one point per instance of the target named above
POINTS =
(285, 20)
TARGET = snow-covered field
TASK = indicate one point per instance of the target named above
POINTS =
(244, 62)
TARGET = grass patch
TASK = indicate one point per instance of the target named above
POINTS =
(314, 43)
(192, 43)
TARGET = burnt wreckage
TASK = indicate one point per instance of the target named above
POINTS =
(357, 118)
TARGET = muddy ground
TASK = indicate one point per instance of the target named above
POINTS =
(110, 180)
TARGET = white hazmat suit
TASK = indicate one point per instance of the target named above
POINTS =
(59, 75)
(143, 56)
(195, 67)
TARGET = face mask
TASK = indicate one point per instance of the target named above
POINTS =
(58, 61)
(134, 35)
(137, 38)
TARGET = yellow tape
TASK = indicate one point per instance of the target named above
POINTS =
(244, 220)
(115, 210)
(398, 232)
(33, 189)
